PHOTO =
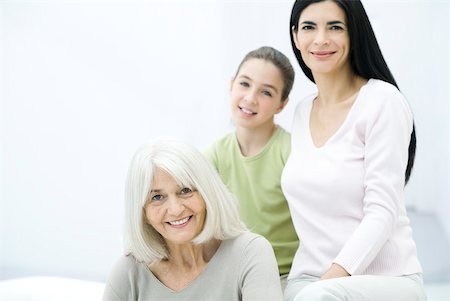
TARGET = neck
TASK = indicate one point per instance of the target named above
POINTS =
(252, 140)
(185, 263)
(337, 88)
(191, 256)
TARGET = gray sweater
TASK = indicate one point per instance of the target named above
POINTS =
(243, 268)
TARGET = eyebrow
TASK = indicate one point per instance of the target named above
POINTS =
(265, 85)
(328, 23)
(335, 22)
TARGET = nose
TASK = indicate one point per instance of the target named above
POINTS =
(250, 97)
(321, 37)
(175, 206)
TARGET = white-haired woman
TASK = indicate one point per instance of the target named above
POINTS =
(183, 238)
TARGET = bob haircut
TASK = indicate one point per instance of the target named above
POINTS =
(190, 169)
(365, 54)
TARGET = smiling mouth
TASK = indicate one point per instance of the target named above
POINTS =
(247, 111)
(322, 53)
(180, 221)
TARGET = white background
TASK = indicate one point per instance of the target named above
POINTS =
(83, 84)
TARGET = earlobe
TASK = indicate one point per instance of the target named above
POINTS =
(282, 105)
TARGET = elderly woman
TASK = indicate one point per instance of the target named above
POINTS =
(183, 237)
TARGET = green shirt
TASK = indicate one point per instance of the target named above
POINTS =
(255, 181)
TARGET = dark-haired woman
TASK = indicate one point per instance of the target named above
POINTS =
(353, 146)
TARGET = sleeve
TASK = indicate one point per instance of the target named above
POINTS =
(286, 146)
(387, 137)
(118, 286)
(259, 275)
(109, 294)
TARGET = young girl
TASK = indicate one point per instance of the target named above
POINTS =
(353, 148)
(251, 159)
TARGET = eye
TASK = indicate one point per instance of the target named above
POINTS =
(307, 27)
(185, 191)
(267, 93)
(244, 84)
(157, 197)
(336, 27)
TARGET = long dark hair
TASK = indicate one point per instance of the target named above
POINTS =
(366, 58)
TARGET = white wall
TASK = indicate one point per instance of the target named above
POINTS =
(416, 47)
(83, 84)
(445, 203)
(2, 126)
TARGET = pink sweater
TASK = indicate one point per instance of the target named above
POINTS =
(347, 197)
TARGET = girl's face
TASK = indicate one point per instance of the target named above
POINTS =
(322, 38)
(177, 213)
(256, 94)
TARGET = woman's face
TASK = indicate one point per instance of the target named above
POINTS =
(322, 38)
(177, 213)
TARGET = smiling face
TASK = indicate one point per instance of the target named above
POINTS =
(322, 38)
(177, 213)
(256, 94)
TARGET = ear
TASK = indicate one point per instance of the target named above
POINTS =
(282, 105)
(231, 84)
(294, 36)
(145, 217)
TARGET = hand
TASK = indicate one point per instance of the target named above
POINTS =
(335, 271)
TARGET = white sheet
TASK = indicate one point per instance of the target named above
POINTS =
(50, 289)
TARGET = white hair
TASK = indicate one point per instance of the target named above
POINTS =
(190, 169)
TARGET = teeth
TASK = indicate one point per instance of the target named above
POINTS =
(179, 222)
(246, 111)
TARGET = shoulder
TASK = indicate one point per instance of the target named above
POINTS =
(305, 102)
(381, 96)
(219, 146)
(282, 143)
(225, 140)
(251, 250)
(249, 242)
(123, 277)
(283, 134)
(126, 263)
(383, 91)
(125, 270)
(303, 109)
(380, 87)
(382, 112)
(257, 268)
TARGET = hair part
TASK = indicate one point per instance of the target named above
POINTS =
(190, 169)
(366, 58)
(279, 60)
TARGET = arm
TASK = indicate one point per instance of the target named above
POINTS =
(335, 271)
(260, 279)
(109, 294)
(386, 136)
(118, 286)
